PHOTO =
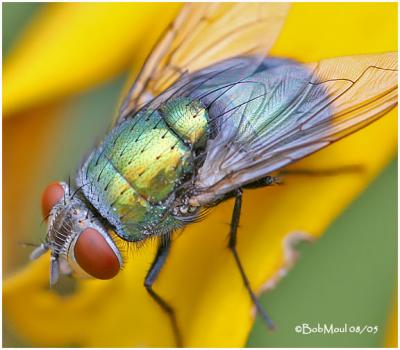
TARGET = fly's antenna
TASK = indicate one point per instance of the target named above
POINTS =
(28, 244)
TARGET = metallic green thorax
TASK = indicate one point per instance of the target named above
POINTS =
(134, 171)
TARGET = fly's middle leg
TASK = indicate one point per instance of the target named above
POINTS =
(232, 246)
(151, 277)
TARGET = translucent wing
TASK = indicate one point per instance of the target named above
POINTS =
(283, 112)
(203, 34)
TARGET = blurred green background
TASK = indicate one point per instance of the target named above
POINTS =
(348, 276)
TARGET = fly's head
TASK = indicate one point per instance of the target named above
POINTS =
(77, 240)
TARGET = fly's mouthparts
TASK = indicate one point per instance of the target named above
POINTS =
(39, 251)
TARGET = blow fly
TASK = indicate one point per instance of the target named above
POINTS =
(210, 114)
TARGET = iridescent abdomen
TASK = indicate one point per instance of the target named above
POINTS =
(134, 172)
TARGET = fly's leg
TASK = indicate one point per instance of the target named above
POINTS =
(263, 182)
(346, 169)
(151, 277)
(277, 180)
(232, 247)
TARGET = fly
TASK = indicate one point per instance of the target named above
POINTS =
(209, 115)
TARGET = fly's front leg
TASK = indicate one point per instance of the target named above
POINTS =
(151, 277)
(232, 247)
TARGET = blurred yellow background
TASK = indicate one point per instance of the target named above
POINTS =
(64, 68)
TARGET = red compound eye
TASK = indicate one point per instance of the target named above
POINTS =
(51, 195)
(95, 256)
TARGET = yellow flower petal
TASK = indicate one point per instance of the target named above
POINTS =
(201, 279)
(71, 46)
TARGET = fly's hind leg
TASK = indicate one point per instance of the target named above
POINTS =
(156, 266)
(278, 180)
(263, 182)
(341, 170)
(232, 246)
